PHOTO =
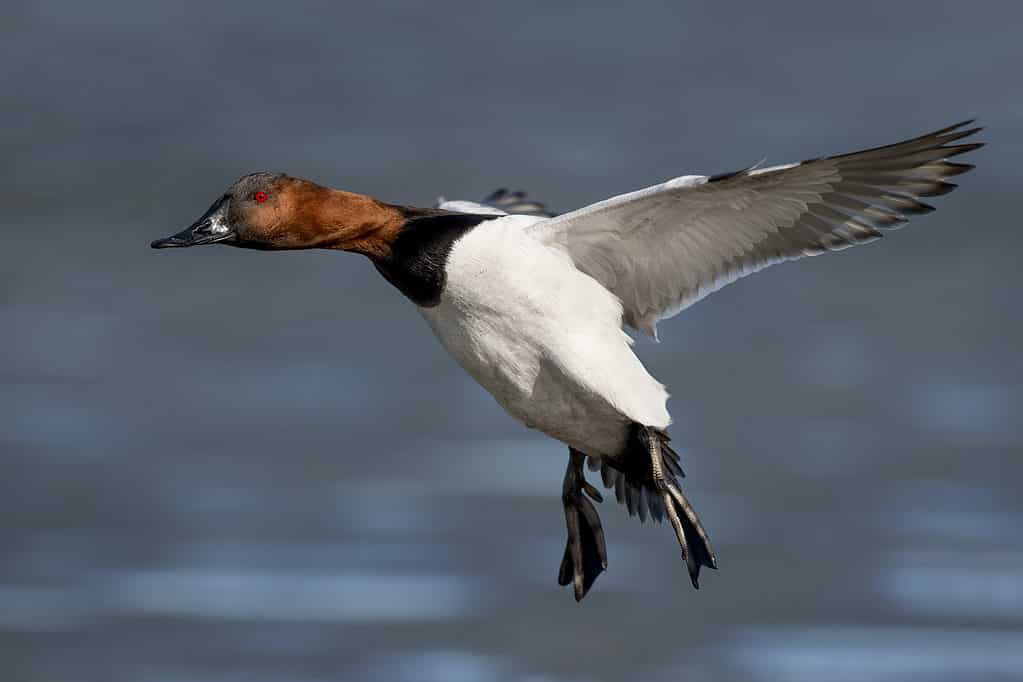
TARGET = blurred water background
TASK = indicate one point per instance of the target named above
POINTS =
(221, 465)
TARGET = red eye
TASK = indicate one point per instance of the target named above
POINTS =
(260, 197)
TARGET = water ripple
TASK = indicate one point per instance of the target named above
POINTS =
(854, 653)
(293, 597)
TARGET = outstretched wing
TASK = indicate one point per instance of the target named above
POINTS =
(500, 201)
(663, 248)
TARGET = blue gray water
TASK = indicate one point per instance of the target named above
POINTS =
(227, 466)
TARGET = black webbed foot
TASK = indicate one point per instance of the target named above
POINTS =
(691, 536)
(585, 552)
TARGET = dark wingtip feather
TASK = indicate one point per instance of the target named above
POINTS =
(935, 140)
(950, 168)
(919, 208)
(938, 189)
(955, 129)
(967, 122)
(958, 135)
(957, 149)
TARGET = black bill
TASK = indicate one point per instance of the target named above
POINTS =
(211, 228)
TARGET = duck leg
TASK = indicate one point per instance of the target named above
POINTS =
(689, 532)
(585, 552)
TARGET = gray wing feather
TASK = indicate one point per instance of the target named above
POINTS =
(665, 247)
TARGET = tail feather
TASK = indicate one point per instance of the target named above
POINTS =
(631, 478)
(632, 483)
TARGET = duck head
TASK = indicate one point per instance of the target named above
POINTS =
(274, 211)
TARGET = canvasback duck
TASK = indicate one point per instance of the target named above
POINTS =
(534, 306)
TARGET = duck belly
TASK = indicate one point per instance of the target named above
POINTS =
(544, 339)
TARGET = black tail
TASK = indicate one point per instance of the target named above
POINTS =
(631, 477)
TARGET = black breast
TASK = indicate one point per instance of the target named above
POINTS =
(419, 254)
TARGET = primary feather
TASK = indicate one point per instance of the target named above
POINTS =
(663, 248)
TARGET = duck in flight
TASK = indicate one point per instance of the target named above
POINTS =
(535, 306)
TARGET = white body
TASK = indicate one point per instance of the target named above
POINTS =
(533, 307)
(545, 339)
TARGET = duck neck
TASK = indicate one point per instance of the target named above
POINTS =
(354, 222)
(416, 262)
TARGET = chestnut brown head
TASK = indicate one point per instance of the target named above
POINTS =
(277, 211)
